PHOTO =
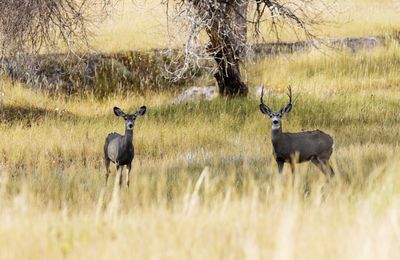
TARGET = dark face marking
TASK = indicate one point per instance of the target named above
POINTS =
(130, 121)
(130, 118)
(276, 118)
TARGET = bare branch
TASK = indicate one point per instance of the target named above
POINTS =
(28, 26)
(226, 25)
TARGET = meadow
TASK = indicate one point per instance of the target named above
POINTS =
(204, 182)
(142, 25)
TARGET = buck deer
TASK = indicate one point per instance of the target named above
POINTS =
(315, 146)
(119, 148)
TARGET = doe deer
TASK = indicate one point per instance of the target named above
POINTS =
(119, 148)
(315, 146)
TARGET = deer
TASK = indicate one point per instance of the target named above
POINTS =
(315, 146)
(119, 148)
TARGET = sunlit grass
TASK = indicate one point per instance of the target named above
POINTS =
(331, 70)
(142, 24)
(204, 182)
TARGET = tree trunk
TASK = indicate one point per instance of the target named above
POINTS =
(228, 37)
(228, 77)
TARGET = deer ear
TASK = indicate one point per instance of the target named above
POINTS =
(141, 111)
(286, 109)
(118, 112)
(265, 110)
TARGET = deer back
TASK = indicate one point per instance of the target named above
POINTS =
(305, 145)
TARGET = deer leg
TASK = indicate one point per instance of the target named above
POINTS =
(120, 176)
(331, 171)
(117, 175)
(327, 167)
(280, 165)
(128, 171)
(323, 165)
(292, 166)
(317, 163)
(107, 163)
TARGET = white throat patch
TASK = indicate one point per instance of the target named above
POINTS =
(275, 127)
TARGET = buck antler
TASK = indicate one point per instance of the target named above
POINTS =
(290, 94)
(262, 94)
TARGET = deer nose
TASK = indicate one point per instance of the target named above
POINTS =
(130, 125)
(275, 122)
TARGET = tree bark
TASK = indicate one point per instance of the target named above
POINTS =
(228, 77)
(228, 38)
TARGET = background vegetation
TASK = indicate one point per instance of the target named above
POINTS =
(142, 25)
(204, 179)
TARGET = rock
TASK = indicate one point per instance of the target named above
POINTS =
(358, 43)
(197, 93)
(194, 94)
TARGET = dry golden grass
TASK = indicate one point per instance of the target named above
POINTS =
(142, 24)
(133, 25)
(205, 184)
(331, 71)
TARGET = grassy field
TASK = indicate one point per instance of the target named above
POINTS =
(141, 24)
(204, 182)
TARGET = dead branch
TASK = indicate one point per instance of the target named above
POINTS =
(226, 24)
(29, 26)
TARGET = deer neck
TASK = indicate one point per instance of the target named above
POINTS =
(128, 136)
(276, 134)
